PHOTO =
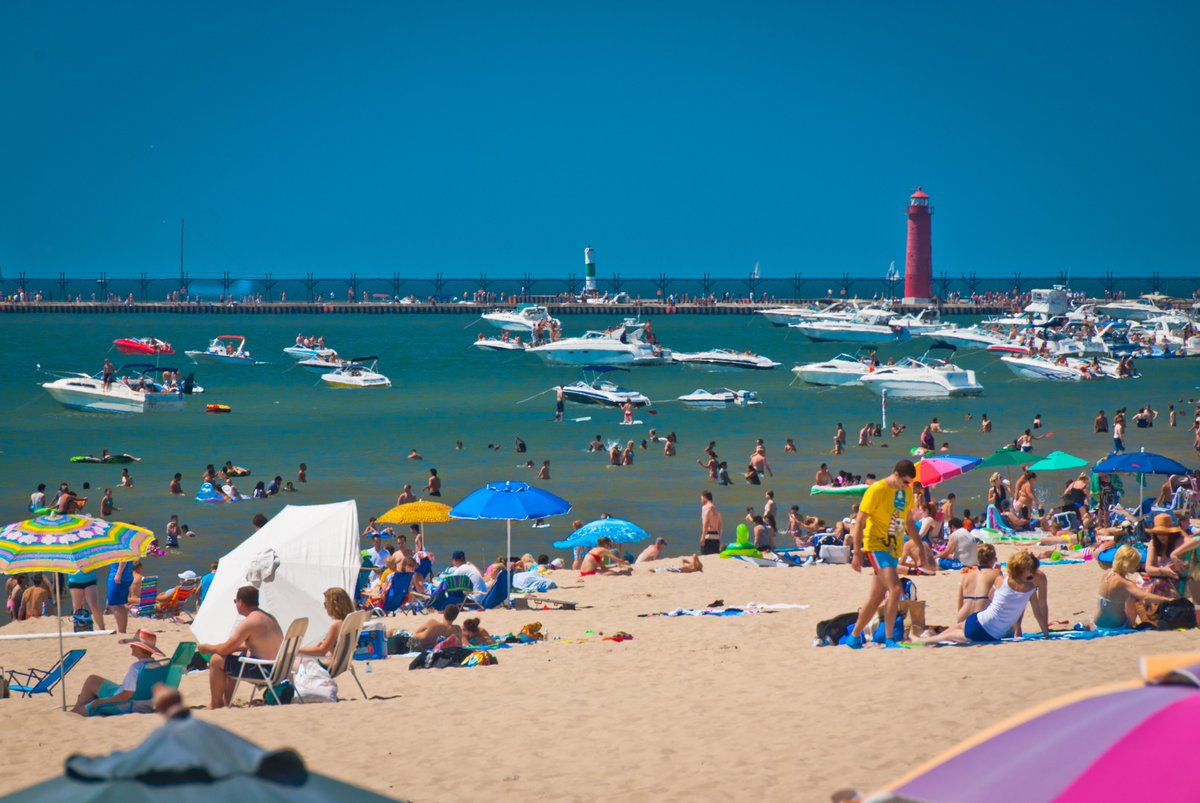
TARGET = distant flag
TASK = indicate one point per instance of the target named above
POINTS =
(754, 273)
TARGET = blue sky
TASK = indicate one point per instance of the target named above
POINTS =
(680, 138)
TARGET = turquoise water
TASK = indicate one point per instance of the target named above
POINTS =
(355, 442)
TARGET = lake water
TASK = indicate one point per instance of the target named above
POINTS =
(355, 442)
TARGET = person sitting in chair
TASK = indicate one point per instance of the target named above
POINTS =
(258, 635)
(99, 690)
(337, 606)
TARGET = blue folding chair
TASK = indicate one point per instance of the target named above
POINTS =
(453, 590)
(38, 681)
(150, 676)
(393, 601)
(494, 597)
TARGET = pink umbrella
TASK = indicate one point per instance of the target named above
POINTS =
(1084, 746)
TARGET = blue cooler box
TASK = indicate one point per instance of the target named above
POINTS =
(372, 646)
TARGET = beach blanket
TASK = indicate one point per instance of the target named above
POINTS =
(765, 563)
(704, 612)
(1055, 635)
(532, 581)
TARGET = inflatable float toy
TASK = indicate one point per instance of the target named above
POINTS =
(217, 408)
(80, 501)
(741, 547)
(838, 490)
(112, 458)
(208, 494)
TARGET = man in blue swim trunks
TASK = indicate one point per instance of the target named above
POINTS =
(878, 532)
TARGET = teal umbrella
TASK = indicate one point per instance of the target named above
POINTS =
(1059, 461)
(1006, 457)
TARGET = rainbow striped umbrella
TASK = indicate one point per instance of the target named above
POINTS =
(69, 544)
(933, 470)
(1086, 746)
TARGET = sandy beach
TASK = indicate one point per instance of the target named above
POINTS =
(696, 708)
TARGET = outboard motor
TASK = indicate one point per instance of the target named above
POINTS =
(189, 382)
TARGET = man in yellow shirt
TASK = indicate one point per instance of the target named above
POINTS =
(878, 532)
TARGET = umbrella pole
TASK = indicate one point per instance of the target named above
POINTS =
(507, 564)
(62, 681)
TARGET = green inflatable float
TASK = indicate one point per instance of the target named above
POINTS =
(741, 546)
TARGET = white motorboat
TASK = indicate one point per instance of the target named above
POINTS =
(500, 344)
(620, 346)
(700, 396)
(594, 389)
(925, 322)
(727, 358)
(522, 319)
(307, 352)
(357, 373)
(923, 378)
(132, 390)
(844, 369)
(230, 349)
(853, 331)
(1131, 310)
(322, 365)
(968, 337)
(836, 311)
(1041, 368)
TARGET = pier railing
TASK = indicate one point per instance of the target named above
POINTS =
(308, 288)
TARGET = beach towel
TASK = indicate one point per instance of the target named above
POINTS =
(1055, 635)
(765, 563)
(262, 568)
(532, 581)
(705, 612)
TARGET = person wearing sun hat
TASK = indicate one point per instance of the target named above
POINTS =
(99, 690)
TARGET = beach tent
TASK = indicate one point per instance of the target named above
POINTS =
(188, 759)
(292, 560)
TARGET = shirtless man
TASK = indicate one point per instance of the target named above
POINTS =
(758, 461)
(560, 399)
(597, 445)
(434, 486)
(839, 439)
(406, 496)
(710, 525)
(257, 636)
(769, 505)
(985, 424)
(652, 552)
(823, 476)
(435, 630)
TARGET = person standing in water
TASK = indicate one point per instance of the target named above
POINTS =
(560, 399)
(710, 525)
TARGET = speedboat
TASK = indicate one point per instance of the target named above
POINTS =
(322, 365)
(1133, 310)
(143, 345)
(620, 346)
(968, 337)
(521, 319)
(923, 323)
(727, 358)
(844, 369)
(853, 331)
(299, 352)
(357, 373)
(700, 396)
(132, 390)
(500, 344)
(925, 377)
(1041, 368)
(229, 349)
(593, 389)
(835, 311)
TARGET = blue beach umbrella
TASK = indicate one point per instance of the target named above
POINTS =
(619, 530)
(509, 501)
(1142, 462)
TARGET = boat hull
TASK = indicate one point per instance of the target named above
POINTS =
(101, 402)
(828, 378)
(1031, 370)
(917, 389)
(836, 334)
(583, 357)
(209, 357)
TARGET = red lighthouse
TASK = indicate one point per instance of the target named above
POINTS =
(918, 260)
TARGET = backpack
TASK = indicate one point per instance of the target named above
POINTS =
(82, 620)
(1176, 614)
(831, 631)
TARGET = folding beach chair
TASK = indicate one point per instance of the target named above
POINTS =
(150, 676)
(343, 650)
(37, 681)
(281, 665)
(397, 592)
(180, 662)
(494, 597)
(148, 599)
(453, 590)
(172, 608)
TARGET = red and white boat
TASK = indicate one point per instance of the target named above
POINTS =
(143, 345)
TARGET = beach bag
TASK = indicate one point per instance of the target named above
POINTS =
(1176, 614)
(283, 694)
(82, 620)
(314, 685)
(879, 637)
(831, 631)
(399, 644)
(480, 658)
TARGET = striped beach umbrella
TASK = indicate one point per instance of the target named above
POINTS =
(933, 470)
(1085, 746)
(66, 544)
